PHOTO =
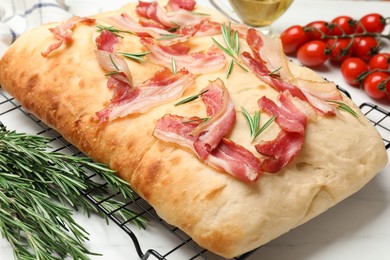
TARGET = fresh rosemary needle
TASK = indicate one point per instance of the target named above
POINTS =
(39, 189)
(135, 56)
(113, 30)
(344, 107)
(191, 98)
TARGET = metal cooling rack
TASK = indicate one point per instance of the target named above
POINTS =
(11, 111)
(181, 244)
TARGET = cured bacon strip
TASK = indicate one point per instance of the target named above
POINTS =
(126, 22)
(176, 49)
(227, 156)
(260, 69)
(222, 115)
(162, 88)
(181, 17)
(235, 160)
(269, 56)
(64, 32)
(280, 151)
(197, 63)
(174, 5)
(288, 117)
(204, 28)
(106, 41)
(206, 139)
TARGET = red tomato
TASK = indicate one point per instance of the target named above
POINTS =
(351, 68)
(342, 25)
(376, 83)
(374, 23)
(313, 53)
(365, 47)
(380, 61)
(314, 29)
(293, 38)
(339, 49)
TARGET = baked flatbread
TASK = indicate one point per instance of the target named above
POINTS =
(225, 214)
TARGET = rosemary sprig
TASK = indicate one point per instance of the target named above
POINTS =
(232, 48)
(254, 123)
(344, 107)
(33, 181)
(166, 36)
(191, 98)
(113, 30)
(135, 56)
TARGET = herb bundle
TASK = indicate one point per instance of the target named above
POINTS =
(38, 190)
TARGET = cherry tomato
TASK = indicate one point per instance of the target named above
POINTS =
(351, 68)
(313, 53)
(376, 83)
(342, 24)
(380, 61)
(339, 49)
(374, 23)
(365, 47)
(293, 38)
(314, 29)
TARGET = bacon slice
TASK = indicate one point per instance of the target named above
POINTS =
(197, 63)
(178, 17)
(162, 88)
(126, 22)
(202, 29)
(268, 56)
(206, 139)
(280, 151)
(222, 116)
(64, 32)
(227, 156)
(174, 5)
(106, 41)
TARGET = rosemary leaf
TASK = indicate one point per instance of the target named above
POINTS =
(203, 120)
(230, 68)
(344, 107)
(113, 30)
(40, 189)
(201, 14)
(111, 73)
(191, 98)
(232, 43)
(135, 56)
(275, 72)
(166, 36)
(113, 63)
(227, 51)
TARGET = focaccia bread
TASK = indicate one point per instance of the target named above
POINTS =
(67, 86)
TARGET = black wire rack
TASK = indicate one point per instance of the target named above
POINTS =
(181, 245)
